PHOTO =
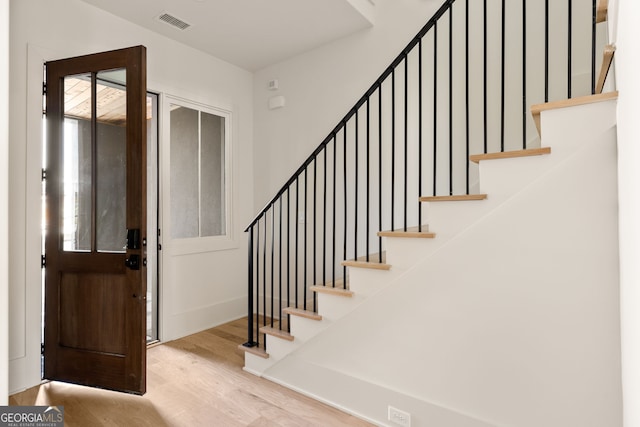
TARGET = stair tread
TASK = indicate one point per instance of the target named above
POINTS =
(581, 100)
(302, 313)
(410, 232)
(510, 154)
(276, 333)
(607, 58)
(366, 264)
(332, 291)
(456, 198)
(602, 11)
(256, 351)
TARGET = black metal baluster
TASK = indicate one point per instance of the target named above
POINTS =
(466, 78)
(569, 46)
(502, 76)
(315, 210)
(406, 141)
(367, 225)
(296, 251)
(485, 76)
(594, 19)
(280, 261)
(419, 134)
(335, 168)
(435, 109)
(344, 164)
(289, 246)
(258, 285)
(250, 303)
(380, 171)
(324, 229)
(546, 50)
(451, 101)
(304, 280)
(393, 147)
(273, 225)
(264, 279)
(355, 190)
(524, 75)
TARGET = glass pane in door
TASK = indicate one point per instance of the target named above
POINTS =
(76, 169)
(111, 161)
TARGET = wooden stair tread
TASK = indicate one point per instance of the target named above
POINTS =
(276, 333)
(602, 10)
(332, 291)
(365, 264)
(256, 351)
(456, 198)
(607, 59)
(581, 100)
(302, 313)
(510, 154)
(410, 232)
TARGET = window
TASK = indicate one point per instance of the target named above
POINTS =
(198, 150)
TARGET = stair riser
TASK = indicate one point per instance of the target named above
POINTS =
(279, 348)
(554, 124)
(305, 329)
(257, 365)
(402, 254)
(333, 307)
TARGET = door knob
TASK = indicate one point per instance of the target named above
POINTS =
(133, 262)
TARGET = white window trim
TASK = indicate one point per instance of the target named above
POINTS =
(185, 246)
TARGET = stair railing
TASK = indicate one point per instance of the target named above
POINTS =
(460, 86)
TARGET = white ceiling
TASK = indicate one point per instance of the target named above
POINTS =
(249, 33)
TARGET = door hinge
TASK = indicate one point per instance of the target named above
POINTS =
(41, 348)
(44, 88)
(43, 262)
(44, 174)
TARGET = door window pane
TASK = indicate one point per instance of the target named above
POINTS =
(76, 173)
(111, 161)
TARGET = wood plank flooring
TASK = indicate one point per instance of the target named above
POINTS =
(194, 381)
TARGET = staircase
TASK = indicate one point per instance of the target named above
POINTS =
(490, 260)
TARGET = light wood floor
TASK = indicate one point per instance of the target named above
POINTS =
(194, 381)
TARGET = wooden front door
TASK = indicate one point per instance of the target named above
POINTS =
(95, 267)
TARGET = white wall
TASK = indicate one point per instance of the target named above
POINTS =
(201, 290)
(627, 72)
(320, 86)
(4, 202)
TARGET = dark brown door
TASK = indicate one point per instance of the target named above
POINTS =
(95, 275)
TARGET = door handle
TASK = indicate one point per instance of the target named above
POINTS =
(133, 262)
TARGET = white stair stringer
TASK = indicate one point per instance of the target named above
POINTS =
(511, 320)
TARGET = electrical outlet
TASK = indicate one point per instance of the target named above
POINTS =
(399, 417)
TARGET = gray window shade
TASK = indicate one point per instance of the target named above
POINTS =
(197, 173)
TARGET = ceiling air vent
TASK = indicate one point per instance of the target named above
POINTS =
(173, 21)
